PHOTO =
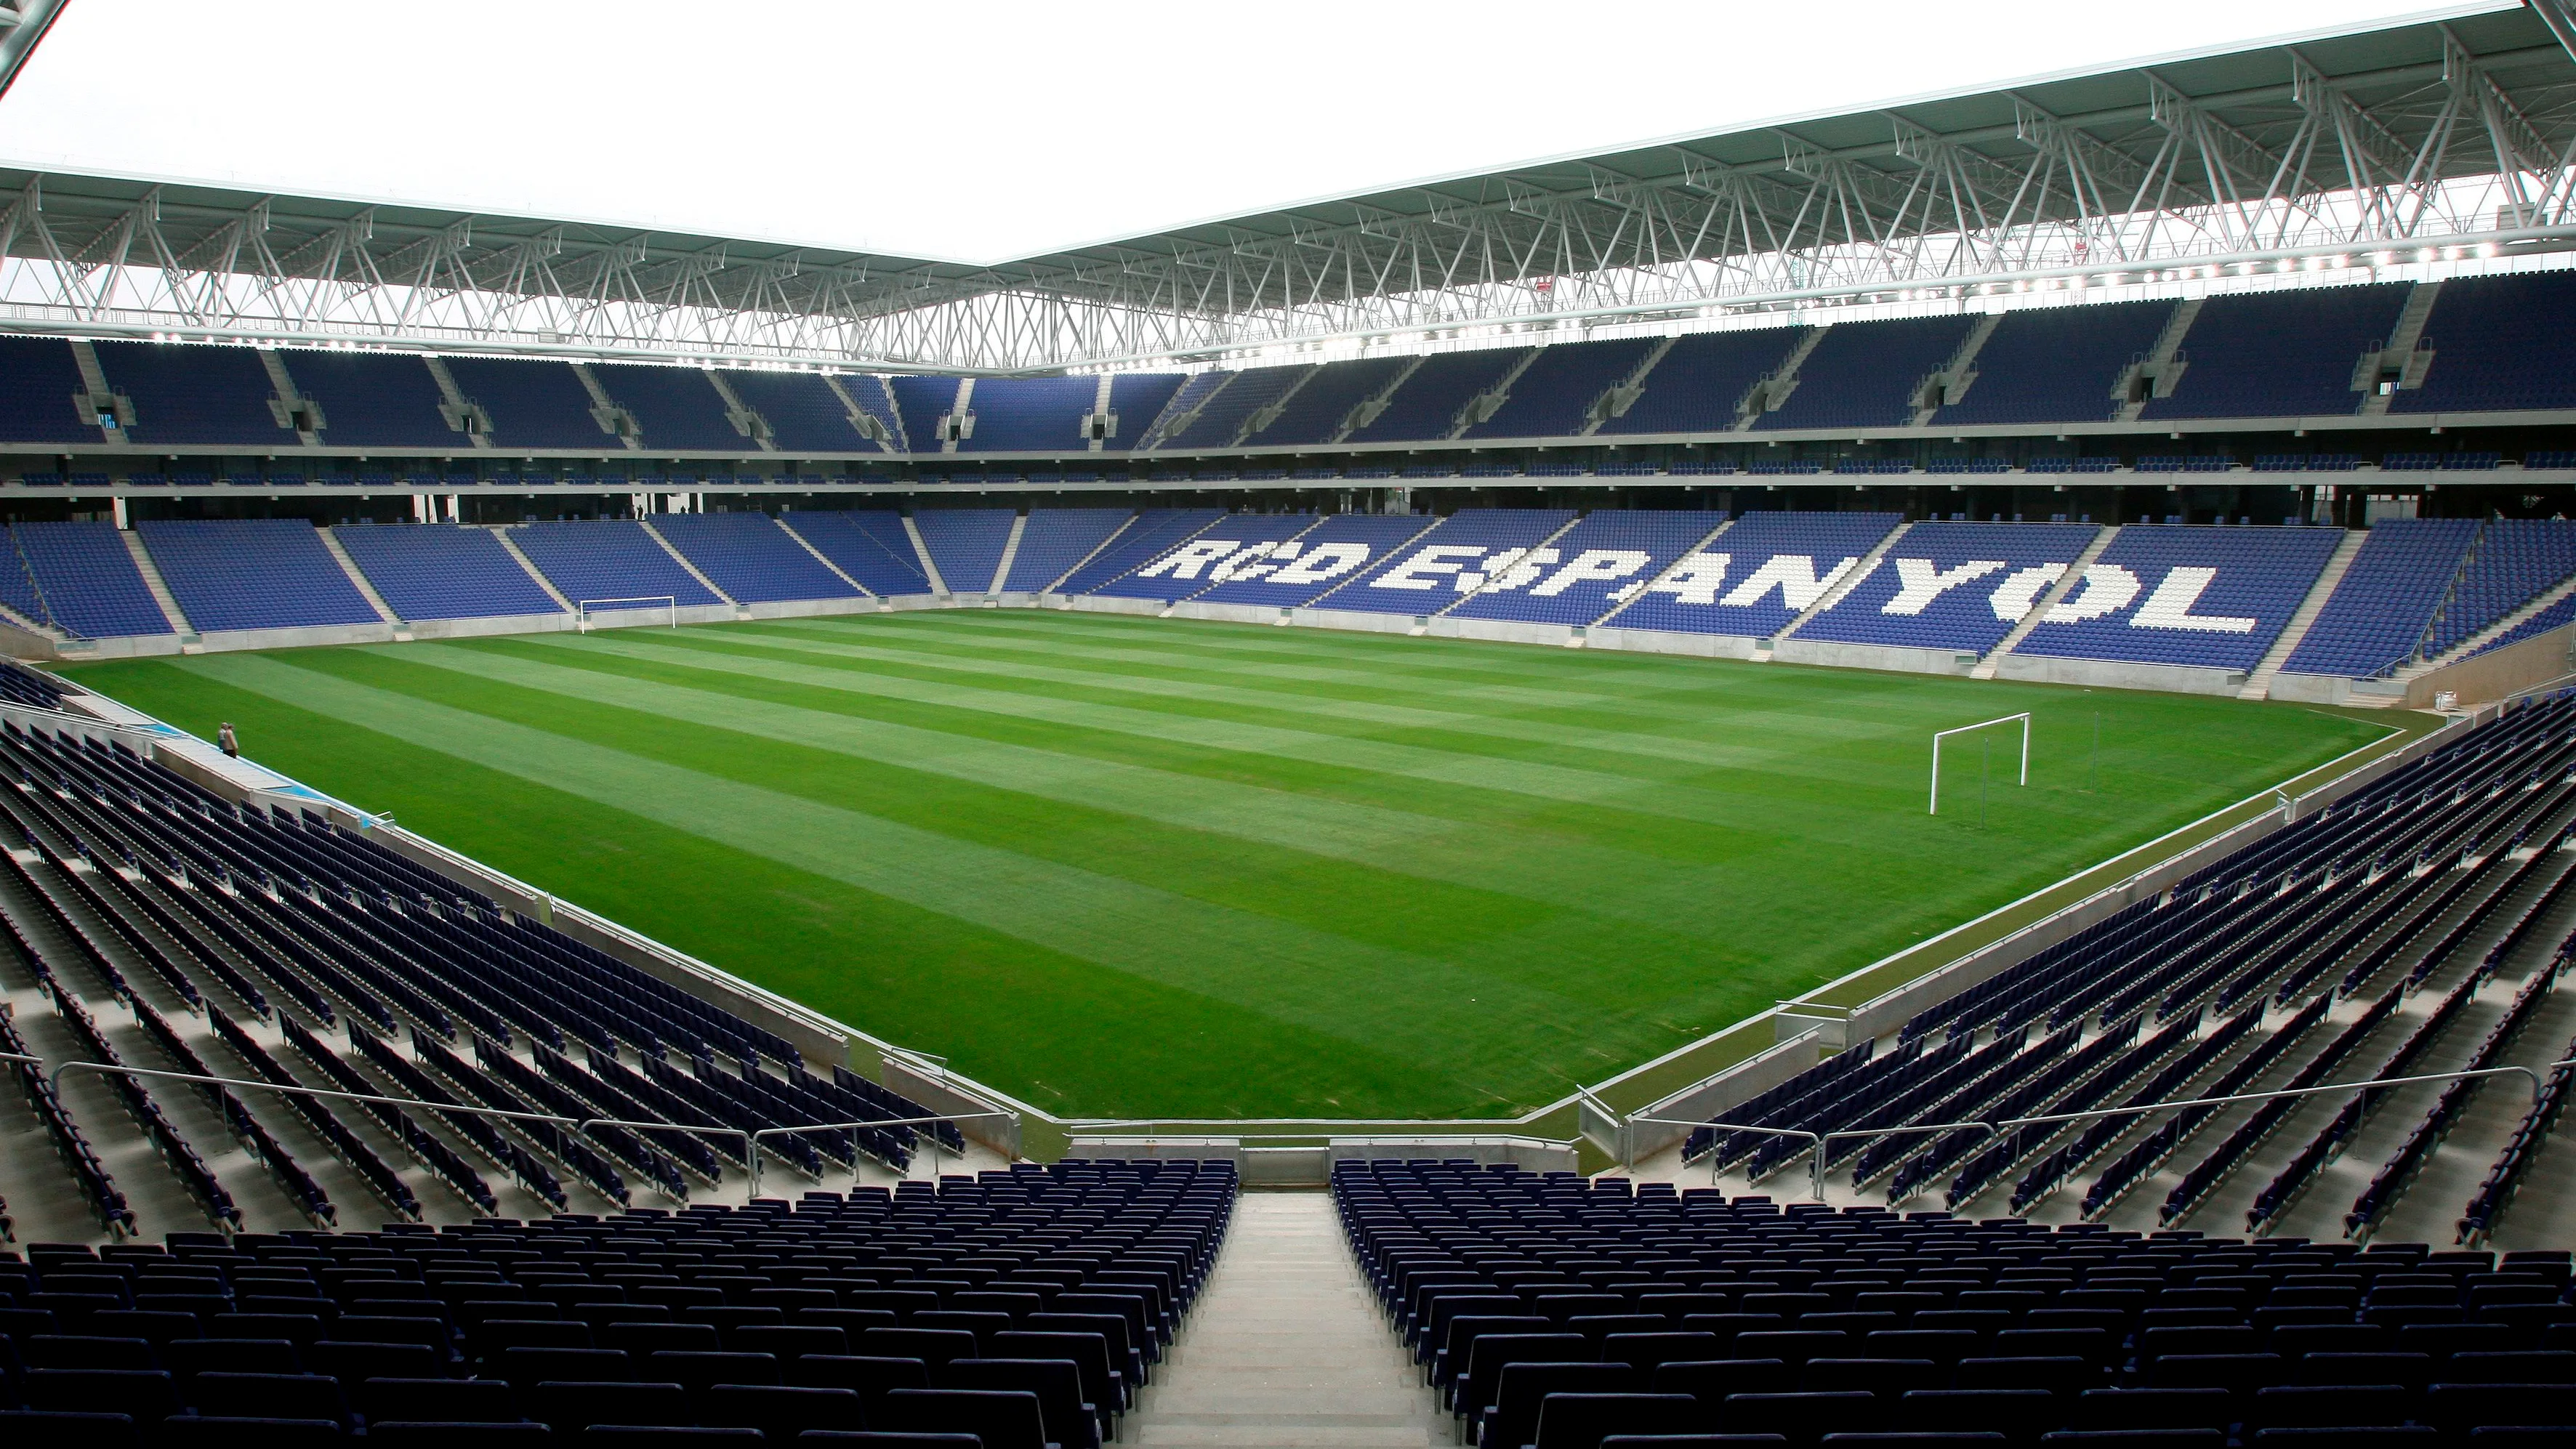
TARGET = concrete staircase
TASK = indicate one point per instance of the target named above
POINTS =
(1286, 1349)
(860, 418)
(1624, 394)
(1175, 419)
(1375, 403)
(2158, 363)
(102, 398)
(744, 419)
(1951, 383)
(2258, 685)
(2430, 1205)
(365, 586)
(1775, 387)
(1269, 412)
(2401, 346)
(682, 560)
(1485, 404)
(160, 587)
(1115, 534)
(864, 591)
(1851, 579)
(1010, 551)
(1100, 409)
(2048, 599)
(961, 411)
(1665, 572)
(1490, 577)
(929, 565)
(613, 420)
(461, 414)
(289, 407)
(510, 546)
(2496, 630)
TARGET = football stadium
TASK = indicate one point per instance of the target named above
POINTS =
(1898, 779)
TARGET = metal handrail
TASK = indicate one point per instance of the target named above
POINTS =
(935, 1145)
(1998, 1126)
(581, 1126)
(1815, 1139)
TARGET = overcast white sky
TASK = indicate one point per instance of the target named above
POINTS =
(999, 128)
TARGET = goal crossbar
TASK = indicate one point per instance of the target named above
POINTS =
(1940, 735)
(582, 610)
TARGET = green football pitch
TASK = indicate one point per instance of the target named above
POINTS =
(1125, 866)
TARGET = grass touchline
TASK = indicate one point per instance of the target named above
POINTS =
(1130, 867)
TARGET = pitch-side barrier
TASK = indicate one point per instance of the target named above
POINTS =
(1821, 1142)
(583, 1126)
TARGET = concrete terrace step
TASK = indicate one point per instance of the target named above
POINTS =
(2048, 599)
(1852, 578)
(366, 587)
(682, 560)
(2259, 684)
(1286, 1349)
(510, 546)
(2496, 630)
(160, 588)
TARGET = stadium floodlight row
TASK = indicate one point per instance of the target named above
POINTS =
(2374, 359)
(1860, 588)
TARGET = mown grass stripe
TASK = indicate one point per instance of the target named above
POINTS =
(1297, 976)
(845, 667)
(1214, 639)
(1720, 692)
(1406, 839)
(1050, 1028)
(1484, 854)
(1622, 748)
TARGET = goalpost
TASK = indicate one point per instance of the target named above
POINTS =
(1939, 735)
(582, 611)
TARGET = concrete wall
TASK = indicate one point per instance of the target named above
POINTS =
(2111, 674)
(1231, 613)
(972, 1102)
(1166, 1149)
(2498, 673)
(2322, 689)
(1533, 1153)
(1355, 621)
(1092, 604)
(1310, 1165)
(1894, 658)
(1504, 631)
(1657, 641)
(2481, 679)
(497, 624)
(20, 643)
(222, 641)
(808, 608)
(1634, 1141)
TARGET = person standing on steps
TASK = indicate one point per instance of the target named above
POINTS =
(225, 740)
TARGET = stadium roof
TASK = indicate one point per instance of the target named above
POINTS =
(2451, 129)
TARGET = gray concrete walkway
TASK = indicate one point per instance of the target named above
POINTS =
(1286, 1349)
